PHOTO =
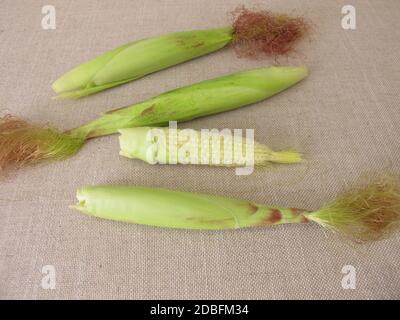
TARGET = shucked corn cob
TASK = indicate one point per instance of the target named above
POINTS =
(363, 213)
(258, 30)
(188, 146)
(21, 142)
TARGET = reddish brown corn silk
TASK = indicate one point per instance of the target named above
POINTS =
(263, 33)
(24, 143)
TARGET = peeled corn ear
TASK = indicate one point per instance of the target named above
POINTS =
(188, 146)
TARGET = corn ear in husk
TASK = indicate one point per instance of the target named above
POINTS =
(182, 210)
(362, 213)
(253, 32)
(197, 100)
(137, 59)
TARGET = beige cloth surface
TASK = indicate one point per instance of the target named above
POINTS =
(344, 118)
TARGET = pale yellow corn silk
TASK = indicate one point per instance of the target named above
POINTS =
(369, 212)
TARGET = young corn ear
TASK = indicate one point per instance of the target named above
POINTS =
(137, 59)
(174, 209)
(186, 103)
(365, 213)
(188, 146)
(263, 31)
(197, 100)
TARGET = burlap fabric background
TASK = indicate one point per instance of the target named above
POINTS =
(344, 118)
